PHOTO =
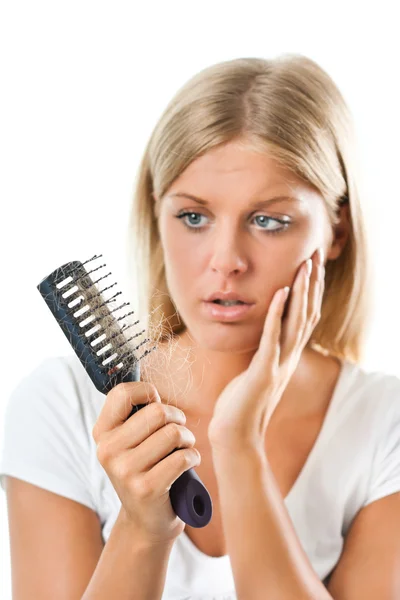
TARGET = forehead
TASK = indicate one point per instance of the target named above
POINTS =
(233, 166)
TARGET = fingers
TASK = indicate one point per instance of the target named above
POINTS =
(160, 444)
(268, 350)
(140, 426)
(293, 327)
(317, 285)
(304, 306)
(119, 402)
(282, 338)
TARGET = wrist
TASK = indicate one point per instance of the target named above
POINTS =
(132, 531)
(227, 443)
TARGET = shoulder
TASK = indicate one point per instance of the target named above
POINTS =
(49, 420)
(369, 388)
(368, 408)
(366, 435)
(58, 389)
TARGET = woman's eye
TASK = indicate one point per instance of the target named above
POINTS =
(270, 219)
(190, 214)
(263, 219)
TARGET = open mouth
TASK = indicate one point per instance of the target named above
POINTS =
(228, 302)
(229, 311)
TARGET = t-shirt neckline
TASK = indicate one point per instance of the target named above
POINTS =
(314, 450)
(322, 432)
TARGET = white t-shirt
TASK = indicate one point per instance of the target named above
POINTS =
(355, 460)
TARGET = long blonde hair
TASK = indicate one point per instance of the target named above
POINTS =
(290, 108)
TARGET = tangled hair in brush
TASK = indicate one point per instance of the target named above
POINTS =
(289, 108)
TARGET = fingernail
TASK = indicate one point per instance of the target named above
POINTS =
(309, 266)
(321, 255)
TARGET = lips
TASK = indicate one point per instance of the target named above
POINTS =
(218, 312)
(229, 296)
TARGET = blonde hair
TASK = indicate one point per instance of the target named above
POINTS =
(290, 108)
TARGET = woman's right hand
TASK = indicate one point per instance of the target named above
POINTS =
(136, 454)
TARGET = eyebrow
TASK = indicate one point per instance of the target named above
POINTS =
(254, 205)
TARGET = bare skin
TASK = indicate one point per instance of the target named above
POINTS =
(231, 245)
(289, 440)
(234, 249)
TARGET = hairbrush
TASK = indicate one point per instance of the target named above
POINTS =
(109, 358)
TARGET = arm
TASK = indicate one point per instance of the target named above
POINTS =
(57, 551)
(266, 555)
(55, 543)
(130, 568)
(369, 565)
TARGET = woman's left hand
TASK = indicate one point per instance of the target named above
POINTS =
(245, 406)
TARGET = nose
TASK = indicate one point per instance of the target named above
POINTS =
(227, 255)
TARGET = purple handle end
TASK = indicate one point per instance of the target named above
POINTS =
(191, 500)
(189, 497)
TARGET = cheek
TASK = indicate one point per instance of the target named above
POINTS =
(183, 264)
(301, 245)
(179, 254)
(280, 265)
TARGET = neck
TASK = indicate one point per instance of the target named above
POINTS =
(192, 377)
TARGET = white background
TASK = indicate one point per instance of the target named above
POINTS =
(82, 86)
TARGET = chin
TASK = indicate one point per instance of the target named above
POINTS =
(237, 337)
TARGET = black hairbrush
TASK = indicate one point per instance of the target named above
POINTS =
(109, 359)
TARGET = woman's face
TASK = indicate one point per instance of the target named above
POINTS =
(230, 244)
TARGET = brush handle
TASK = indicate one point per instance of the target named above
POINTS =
(189, 497)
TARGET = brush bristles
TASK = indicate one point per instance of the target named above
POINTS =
(83, 308)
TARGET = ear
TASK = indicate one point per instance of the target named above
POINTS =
(341, 233)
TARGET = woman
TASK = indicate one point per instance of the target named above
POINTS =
(296, 443)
